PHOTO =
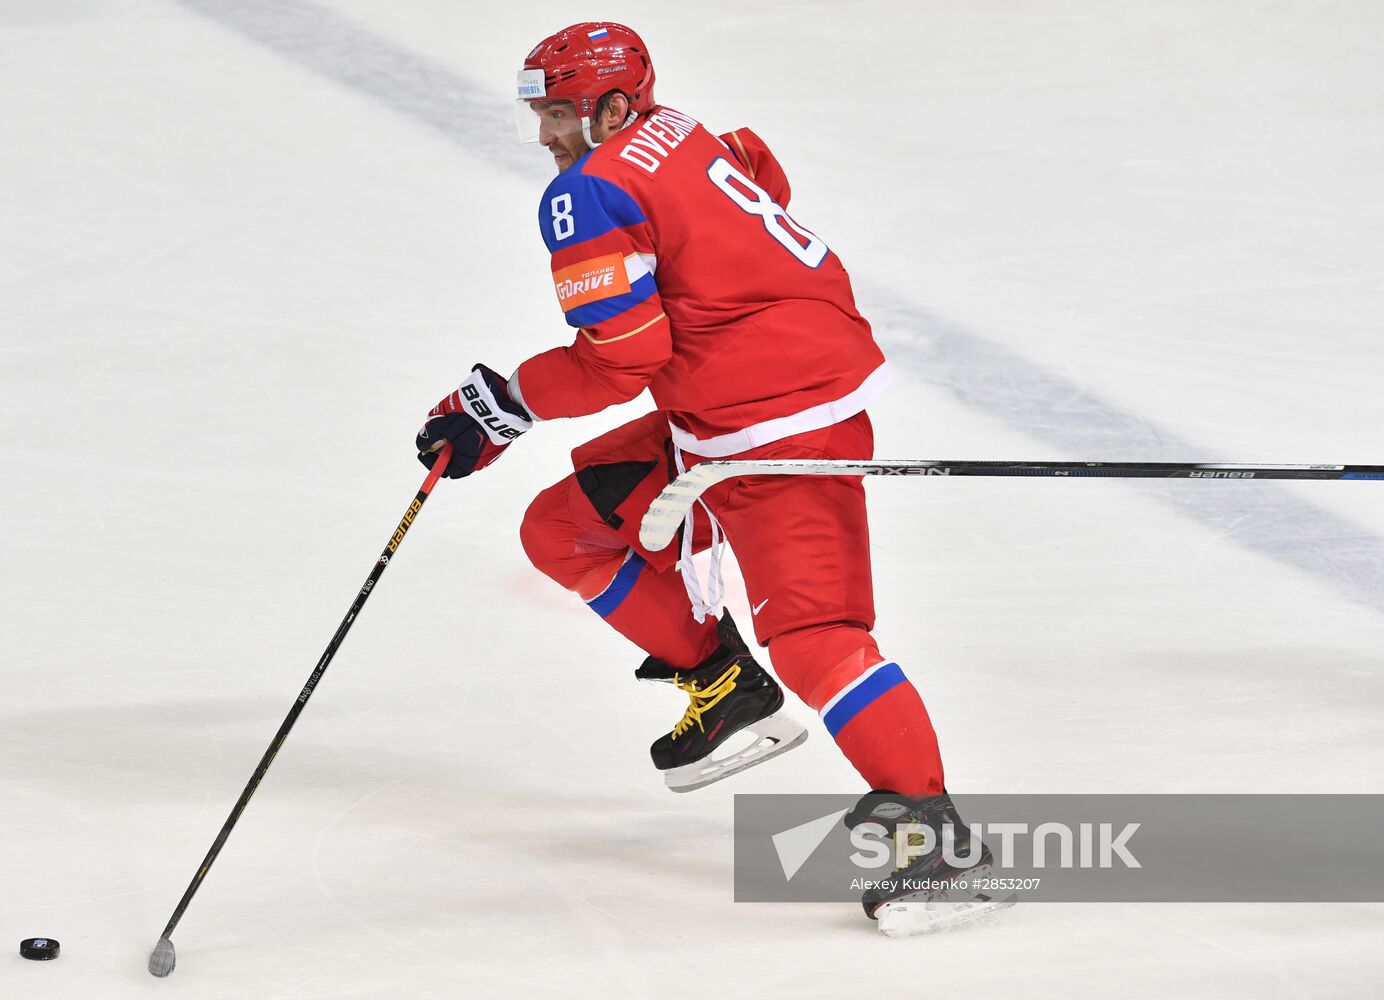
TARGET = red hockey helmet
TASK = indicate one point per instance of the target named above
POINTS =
(581, 64)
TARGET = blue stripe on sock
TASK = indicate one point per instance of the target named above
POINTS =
(882, 680)
(614, 595)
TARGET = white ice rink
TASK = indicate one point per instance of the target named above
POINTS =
(244, 245)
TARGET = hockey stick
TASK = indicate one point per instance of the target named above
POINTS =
(163, 958)
(670, 507)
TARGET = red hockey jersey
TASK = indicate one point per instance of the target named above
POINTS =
(674, 257)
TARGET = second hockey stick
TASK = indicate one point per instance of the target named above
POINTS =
(670, 507)
(163, 957)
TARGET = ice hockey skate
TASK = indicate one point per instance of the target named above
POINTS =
(929, 894)
(729, 693)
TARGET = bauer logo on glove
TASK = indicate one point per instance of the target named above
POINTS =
(494, 426)
(480, 419)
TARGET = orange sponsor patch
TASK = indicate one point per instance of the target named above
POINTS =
(590, 281)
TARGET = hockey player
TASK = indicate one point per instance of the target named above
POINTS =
(678, 266)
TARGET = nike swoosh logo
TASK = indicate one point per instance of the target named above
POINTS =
(755, 610)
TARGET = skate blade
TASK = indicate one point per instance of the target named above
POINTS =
(910, 918)
(773, 736)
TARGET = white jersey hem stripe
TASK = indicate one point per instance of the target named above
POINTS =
(814, 418)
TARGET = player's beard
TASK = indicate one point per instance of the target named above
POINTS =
(567, 150)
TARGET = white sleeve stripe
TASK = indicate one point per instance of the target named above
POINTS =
(639, 264)
(518, 397)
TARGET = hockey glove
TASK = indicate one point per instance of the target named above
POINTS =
(480, 419)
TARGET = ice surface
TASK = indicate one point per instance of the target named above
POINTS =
(245, 245)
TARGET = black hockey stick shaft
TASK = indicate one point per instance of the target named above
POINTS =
(1127, 470)
(665, 515)
(381, 564)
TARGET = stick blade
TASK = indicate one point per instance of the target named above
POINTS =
(665, 515)
(163, 958)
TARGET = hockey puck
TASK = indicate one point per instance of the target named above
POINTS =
(39, 949)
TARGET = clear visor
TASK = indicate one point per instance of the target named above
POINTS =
(542, 119)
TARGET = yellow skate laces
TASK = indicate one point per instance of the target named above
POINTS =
(914, 840)
(703, 699)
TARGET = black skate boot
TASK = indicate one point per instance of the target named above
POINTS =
(729, 692)
(931, 892)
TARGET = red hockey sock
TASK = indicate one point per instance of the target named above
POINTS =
(889, 738)
(867, 704)
(584, 555)
(651, 610)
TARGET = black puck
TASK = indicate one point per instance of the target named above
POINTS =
(39, 949)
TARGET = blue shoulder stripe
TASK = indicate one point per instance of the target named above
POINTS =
(577, 207)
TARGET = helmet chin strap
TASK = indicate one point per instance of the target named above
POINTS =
(586, 128)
